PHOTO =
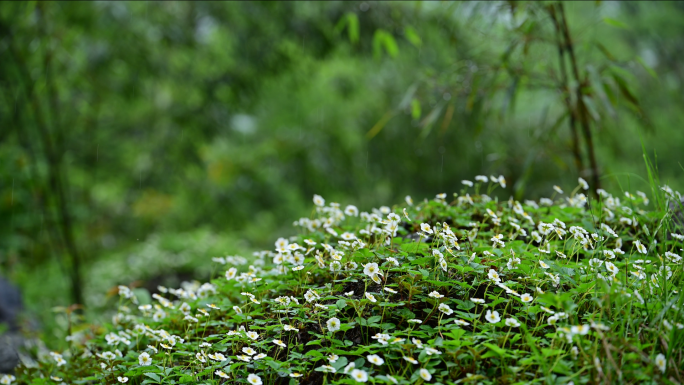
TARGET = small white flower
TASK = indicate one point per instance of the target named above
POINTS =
(375, 359)
(424, 227)
(492, 317)
(371, 297)
(359, 375)
(411, 360)
(640, 247)
(512, 322)
(583, 183)
(661, 362)
(333, 324)
(424, 374)
(144, 359)
(221, 374)
(253, 335)
(444, 308)
(526, 298)
(318, 200)
(122, 380)
(253, 378)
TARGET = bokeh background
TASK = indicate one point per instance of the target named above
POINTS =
(140, 139)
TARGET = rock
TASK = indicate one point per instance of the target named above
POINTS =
(11, 340)
(678, 215)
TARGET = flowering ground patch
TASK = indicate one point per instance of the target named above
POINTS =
(460, 289)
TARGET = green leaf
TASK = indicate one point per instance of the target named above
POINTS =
(615, 23)
(153, 376)
(647, 68)
(383, 39)
(415, 108)
(353, 27)
(340, 304)
(412, 36)
(314, 353)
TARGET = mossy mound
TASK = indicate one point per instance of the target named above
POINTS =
(458, 289)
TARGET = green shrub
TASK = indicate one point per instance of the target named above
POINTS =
(458, 289)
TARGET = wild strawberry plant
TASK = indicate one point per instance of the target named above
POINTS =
(459, 289)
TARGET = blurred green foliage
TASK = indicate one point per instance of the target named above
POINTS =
(123, 122)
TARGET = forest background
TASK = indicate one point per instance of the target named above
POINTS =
(141, 139)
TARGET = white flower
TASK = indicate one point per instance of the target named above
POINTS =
(351, 211)
(481, 178)
(253, 378)
(248, 350)
(424, 227)
(144, 359)
(318, 200)
(640, 247)
(543, 264)
(253, 335)
(348, 368)
(612, 268)
(467, 183)
(221, 373)
(389, 290)
(461, 322)
(492, 317)
(583, 183)
(217, 357)
(408, 200)
(444, 308)
(580, 329)
(327, 369)
(477, 300)
(424, 374)
(333, 324)
(411, 360)
(359, 375)
(259, 356)
(371, 297)
(375, 359)
(435, 295)
(230, 274)
(332, 358)
(661, 362)
(494, 276)
(122, 380)
(512, 322)
(558, 189)
(526, 298)
(371, 269)
(431, 351)
(279, 343)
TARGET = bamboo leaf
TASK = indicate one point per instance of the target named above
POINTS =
(415, 109)
(353, 27)
(615, 23)
(412, 36)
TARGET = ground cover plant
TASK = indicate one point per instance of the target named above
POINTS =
(461, 288)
